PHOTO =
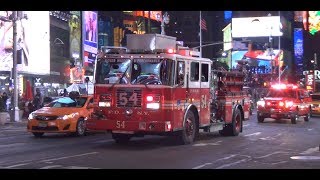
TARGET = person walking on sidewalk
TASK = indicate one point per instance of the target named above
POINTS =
(4, 99)
(38, 100)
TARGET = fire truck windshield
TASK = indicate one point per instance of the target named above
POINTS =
(152, 71)
(288, 93)
(109, 71)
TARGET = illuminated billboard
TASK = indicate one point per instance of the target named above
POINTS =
(256, 27)
(154, 15)
(90, 36)
(298, 48)
(227, 45)
(75, 33)
(33, 45)
(314, 21)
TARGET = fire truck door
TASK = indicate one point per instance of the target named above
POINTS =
(205, 94)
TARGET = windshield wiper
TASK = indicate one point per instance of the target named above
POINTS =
(124, 73)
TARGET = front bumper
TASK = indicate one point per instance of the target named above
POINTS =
(52, 126)
(129, 126)
(275, 113)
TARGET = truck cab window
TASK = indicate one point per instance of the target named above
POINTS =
(194, 71)
(180, 73)
(204, 72)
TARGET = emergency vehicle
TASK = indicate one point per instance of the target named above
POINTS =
(285, 101)
(155, 87)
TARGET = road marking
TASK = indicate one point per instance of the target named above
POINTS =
(66, 157)
(246, 125)
(280, 162)
(50, 167)
(310, 129)
(17, 165)
(253, 134)
(201, 166)
(79, 167)
(104, 141)
(205, 144)
(231, 164)
(305, 157)
(11, 145)
(277, 152)
(310, 150)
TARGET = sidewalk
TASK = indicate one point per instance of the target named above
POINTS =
(22, 123)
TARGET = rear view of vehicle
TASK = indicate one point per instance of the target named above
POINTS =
(315, 104)
(284, 101)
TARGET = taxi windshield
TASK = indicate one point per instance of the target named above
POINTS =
(288, 93)
(67, 102)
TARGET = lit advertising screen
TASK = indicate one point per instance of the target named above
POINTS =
(90, 36)
(33, 45)
(256, 26)
(257, 63)
(298, 48)
(154, 15)
(314, 21)
(227, 38)
(75, 33)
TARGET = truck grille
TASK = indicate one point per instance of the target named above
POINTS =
(129, 98)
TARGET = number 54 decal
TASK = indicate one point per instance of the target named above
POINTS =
(120, 124)
(124, 100)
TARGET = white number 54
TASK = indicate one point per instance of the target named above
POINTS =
(120, 124)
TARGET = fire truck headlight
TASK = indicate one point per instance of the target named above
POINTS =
(153, 105)
(261, 103)
(104, 104)
(289, 104)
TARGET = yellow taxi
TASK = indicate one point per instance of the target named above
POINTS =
(315, 103)
(63, 115)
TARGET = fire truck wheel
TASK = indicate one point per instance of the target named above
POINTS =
(121, 138)
(260, 119)
(38, 134)
(294, 119)
(188, 133)
(234, 128)
(81, 128)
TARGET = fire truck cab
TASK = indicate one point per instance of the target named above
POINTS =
(285, 101)
(155, 87)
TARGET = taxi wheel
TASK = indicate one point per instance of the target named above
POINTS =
(38, 134)
(81, 127)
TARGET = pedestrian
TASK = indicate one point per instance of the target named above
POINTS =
(65, 92)
(4, 99)
(37, 101)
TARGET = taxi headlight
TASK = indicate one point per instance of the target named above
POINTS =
(31, 116)
(68, 116)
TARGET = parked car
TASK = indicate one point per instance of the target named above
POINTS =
(63, 115)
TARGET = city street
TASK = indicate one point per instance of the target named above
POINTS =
(270, 145)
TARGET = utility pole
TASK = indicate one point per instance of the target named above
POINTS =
(14, 69)
(279, 54)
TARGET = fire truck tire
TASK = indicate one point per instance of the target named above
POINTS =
(38, 134)
(234, 128)
(294, 119)
(189, 131)
(260, 119)
(121, 138)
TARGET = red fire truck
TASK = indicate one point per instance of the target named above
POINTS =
(155, 87)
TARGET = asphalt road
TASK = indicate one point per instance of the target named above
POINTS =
(268, 145)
